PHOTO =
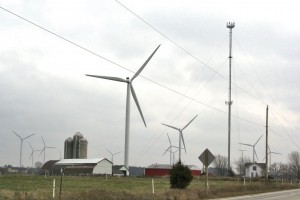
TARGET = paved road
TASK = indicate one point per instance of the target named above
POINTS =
(286, 195)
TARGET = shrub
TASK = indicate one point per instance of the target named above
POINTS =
(180, 176)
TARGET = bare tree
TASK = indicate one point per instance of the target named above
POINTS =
(240, 164)
(220, 163)
(294, 164)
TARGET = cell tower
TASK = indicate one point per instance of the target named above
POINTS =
(230, 25)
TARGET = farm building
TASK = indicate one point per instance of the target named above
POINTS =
(120, 170)
(255, 169)
(164, 170)
(95, 166)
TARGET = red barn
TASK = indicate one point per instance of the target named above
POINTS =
(164, 170)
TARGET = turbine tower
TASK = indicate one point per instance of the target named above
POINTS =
(253, 146)
(44, 149)
(112, 155)
(21, 148)
(230, 25)
(129, 90)
(170, 150)
(180, 135)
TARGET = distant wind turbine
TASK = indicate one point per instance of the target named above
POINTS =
(269, 153)
(129, 90)
(32, 154)
(21, 148)
(44, 148)
(112, 155)
(170, 149)
(180, 135)
(253, 146)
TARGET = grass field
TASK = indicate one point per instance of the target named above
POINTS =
(21, 187)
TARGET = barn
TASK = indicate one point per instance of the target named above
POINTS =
(164, 170)
(96, 166)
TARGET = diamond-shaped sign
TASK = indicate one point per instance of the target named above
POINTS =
(206, 157)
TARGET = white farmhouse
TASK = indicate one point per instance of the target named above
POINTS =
(255, 169)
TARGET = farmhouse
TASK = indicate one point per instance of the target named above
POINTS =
(164, 170)
(96, 166)
(254, 169)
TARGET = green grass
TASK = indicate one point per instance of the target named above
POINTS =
(24, 187)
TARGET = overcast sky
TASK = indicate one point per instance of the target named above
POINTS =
(44, 89)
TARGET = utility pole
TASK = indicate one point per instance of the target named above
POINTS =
(267, 174)
(230, 25)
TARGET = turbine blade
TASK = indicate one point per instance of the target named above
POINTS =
(182, 141)
(255, 154)
(28, 136)
(43, 141)
(17, 135)
(257, 140)
(166, 151)
(169, 139)
(246, 144)
(108, 78)
(30, 146)
(42, 151)
(31, 155)
(109, 151)
(170, 126)
(189, 123)
(144, 65)
(137, 103)
(117, 153)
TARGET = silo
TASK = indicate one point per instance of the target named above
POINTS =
(83, 148)
(77, 136)
(68, 153)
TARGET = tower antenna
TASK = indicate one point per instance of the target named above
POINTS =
(230, 25)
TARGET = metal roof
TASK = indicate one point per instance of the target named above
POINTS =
(80, 161)
(167, 166)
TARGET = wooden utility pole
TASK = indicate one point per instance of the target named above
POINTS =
(267, 174)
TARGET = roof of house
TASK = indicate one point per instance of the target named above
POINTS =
(262, 165)
(167, 166)
(80, 161)
(48, 165)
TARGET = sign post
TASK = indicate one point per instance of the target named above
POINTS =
(206, 158)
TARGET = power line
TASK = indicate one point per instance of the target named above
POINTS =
(186, 51)
(114, 63)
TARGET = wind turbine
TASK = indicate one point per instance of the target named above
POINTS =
(112, 155)
(44, 149)
(129, 90)
(22, 139)
(32, 153)
(170, 149)
(180, 135)
(269, 153)
(253, 146)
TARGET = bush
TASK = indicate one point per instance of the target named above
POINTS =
(180, 176)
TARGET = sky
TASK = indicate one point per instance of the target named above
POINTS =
(44, 89)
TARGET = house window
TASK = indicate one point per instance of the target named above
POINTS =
(254, 168)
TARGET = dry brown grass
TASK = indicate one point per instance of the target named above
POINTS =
(97, 188)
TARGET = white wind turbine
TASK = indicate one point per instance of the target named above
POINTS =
(21, 148)
(170, 149)
(112, 155)
(44, 149)
(129, 90)
(269, 153)
(180, 135)
(253, 146)
(32, 154)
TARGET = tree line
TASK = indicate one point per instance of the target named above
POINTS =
(280, 170)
